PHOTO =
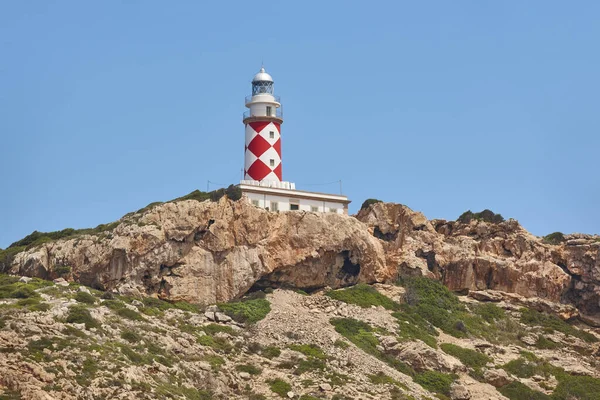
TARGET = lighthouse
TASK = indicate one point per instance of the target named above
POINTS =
(263, 183)
(262, 158)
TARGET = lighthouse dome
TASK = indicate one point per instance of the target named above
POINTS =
(262, 76)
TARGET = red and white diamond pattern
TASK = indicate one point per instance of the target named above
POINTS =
(260, 149)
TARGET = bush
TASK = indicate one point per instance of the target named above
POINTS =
(436, 382)
(270, 352)
(84, 297)
(518, 391)
(485, 215)
(577, 387)
(250, 311)
(251, 369)
(364, 296)
(279, 386)
(368, 202)
(553, 323)
(309, 350)
(131, 336)
(341, 344)
(62, 270)
(489, 312)
(554, 238)
(468, 357)
(361, 334)
(81, 315)
(381, 379)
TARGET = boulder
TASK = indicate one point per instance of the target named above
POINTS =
(496, 377)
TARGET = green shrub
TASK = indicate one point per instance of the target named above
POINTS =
(361, 334)
(130, 314)
(364, 296)
(411, 326)
(81, 315)
(468, 357)
(554, 238)
(553, 323)
(280, 387)
(84, 297)
(489, 312)
(7, 256)
(368, 202)
(270, 352)
(577, 387)
(24, 292)
(309, 350)
(485, 215)
(215, 361)
(436, 382)
(251, 369)
(250, 311)
(381, 379)
(518, 391)
(543, 343)
(341, 344)
(131, 336)
(62, 270)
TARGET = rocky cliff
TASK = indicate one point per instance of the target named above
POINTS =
(205, 252)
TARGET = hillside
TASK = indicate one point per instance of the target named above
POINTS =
(414, 340)
(217, 299)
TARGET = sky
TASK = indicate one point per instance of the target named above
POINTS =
(442, 106)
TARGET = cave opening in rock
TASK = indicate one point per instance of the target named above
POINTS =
(349, 268)
(388, 237)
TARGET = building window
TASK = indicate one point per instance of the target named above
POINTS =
(294, 207)
(333, 210)
(272, 162)
(271, 135)
(255, 203)
(274, 206)
(314, 209)
(269, 111)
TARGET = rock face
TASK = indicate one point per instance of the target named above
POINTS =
(479, 256)
(207, 252)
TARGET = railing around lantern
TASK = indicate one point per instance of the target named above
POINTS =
(248, 99)
(277, 114)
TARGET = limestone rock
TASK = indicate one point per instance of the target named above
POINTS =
(496, 377)
(459, 392)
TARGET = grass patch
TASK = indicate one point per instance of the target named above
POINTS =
(518, 391)
(341, 344)
(81, 315)
(577, 387)
(309, 350)
(381, 379)
(270, 352)
(215, 361)
(364, 296)
(247, 310)
(84, 297)
(468, 357)
(361, 335)
(488, 311)
(131, 336)
(251, 369)
(551, 323)
(411, 326)
(212, 329)
(279, 386)
(436, 382)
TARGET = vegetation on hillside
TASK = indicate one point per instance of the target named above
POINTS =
(485, 215)
(368, 202)
(554, 238)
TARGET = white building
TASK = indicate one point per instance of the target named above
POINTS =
(263, 185)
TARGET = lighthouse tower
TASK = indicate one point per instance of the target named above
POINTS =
(263, 185)
(262, 160)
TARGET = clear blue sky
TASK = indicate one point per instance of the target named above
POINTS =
(442, 106)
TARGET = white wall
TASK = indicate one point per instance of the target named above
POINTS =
(304, 204)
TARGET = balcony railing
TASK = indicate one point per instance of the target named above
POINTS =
(248, 99)
(277, 114)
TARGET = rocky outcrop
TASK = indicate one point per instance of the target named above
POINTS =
(215, 251)
(205, 252)
(479, 256)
